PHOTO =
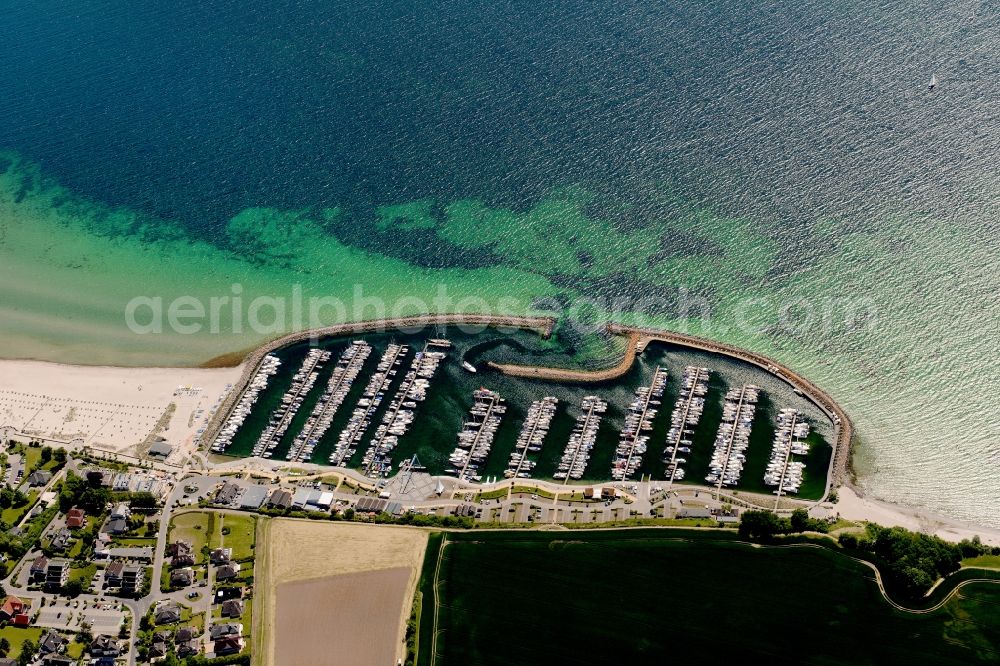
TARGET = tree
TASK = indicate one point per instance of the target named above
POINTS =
(73, 588)
(800, 520)
(46, 454)
(4, 647)
(762, 525)
(28, 650)
(60, 455)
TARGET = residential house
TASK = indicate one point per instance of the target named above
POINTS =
(12, 606)
(56, 574)
(232, 608)
(39, 478)
(121, 510)
(51, 642)
(221, 556)
(224, 630)
(182, 560)
(76, 518)
(184, 634)
(187, 648)
(182, 577)
(178, 547)
(117, 526)
(104, 646)
(38, 569)
(157, 649)
(168, 613)
(228, 645)
(228, 592)
(113, 574)
(227, 571)
(58, 660)
(61, 539)
(133, 579)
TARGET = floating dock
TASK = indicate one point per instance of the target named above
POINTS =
(402, 410)
(476, 438)
(258, 382)
(684, 419)
(733, 437)
(378, 384)
(576, 455)
(341, 379)
(633, 443)
(536, 426)
(281, 419)
(783, 471)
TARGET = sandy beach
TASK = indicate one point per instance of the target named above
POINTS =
(119, 410)
(854, 506)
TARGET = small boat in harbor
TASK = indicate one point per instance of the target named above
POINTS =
(468, 366)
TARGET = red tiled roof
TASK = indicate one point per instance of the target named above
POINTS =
(12, 606)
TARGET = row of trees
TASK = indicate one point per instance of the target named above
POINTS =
(766, 525)
(910, 562)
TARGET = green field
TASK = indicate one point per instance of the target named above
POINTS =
(199, 528)
(241, 535)
(659, 596)
(985, 561)
(16, 636)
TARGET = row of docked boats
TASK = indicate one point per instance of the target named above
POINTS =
(733, 438)
(576, 455)
(684, 419)
(638, 420)
(530, 440)
(377, 460)
(783, 471)
(338, 386)
(476, 437)
(268, 368)
(281, 418)
(374, 393)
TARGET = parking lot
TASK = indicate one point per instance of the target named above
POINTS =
(103, 619)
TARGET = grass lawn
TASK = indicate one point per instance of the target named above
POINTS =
(988, 561)
(242, 534)
(32, 456)
(652, 596)
(83, 574)
(195, 527)
(196, 621)
(17, 636)
(75, 549)
(14, 514)
(74, 650)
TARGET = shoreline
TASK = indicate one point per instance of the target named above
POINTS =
(142, 394)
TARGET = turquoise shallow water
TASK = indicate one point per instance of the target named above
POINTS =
(663, 155)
